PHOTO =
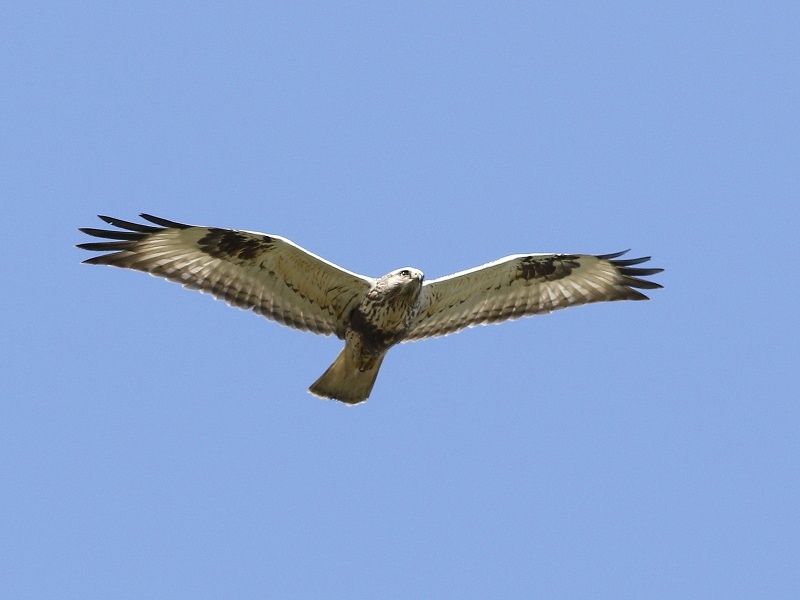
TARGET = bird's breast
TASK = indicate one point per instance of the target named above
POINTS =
(383, 321)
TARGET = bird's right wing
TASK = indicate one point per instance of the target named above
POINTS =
(266, 273)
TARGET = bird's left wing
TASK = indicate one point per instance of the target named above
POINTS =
(266, 273)
(526, 284)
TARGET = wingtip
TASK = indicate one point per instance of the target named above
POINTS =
(613, 254)
(161, 222)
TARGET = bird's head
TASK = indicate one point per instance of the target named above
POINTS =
(405, 281)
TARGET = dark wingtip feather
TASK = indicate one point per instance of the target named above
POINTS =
(128, 225)
(641, 283)
(613, 255)
(129, 233)
(102, 259)
(631, 276)
(636, 272)
(636, 295)
(164, 222)
(111, 235)
(631, 261)
(104, 246)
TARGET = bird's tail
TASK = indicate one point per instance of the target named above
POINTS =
(344, 381)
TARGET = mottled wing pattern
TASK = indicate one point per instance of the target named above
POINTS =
(520, 285)
(265, 273)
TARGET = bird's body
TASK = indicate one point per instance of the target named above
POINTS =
(380, 321)
(276, 278)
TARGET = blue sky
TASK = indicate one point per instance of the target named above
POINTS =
(157, 444)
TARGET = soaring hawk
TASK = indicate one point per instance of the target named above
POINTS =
(282, 281)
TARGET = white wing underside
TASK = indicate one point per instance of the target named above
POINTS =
(515, 286)
(282, 281)
(265, 273)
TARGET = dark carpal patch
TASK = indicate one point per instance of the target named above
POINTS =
(224, 243)
(549, 268)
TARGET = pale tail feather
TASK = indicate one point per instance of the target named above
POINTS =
(344, 382)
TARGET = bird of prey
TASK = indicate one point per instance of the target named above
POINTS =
(282, 281)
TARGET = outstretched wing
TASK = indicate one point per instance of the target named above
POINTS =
(528, 284)
(266, 273)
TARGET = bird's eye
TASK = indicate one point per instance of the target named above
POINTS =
(405, 273)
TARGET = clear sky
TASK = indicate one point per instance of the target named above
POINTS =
(155, 443)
